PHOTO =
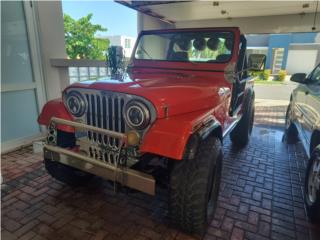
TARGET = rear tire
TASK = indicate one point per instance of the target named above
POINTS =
(311, 186)
(194, 188)
(240, 135)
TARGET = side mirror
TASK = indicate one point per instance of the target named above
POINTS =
(257, 62)
(299, 77)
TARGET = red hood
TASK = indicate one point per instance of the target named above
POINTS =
(181, 93)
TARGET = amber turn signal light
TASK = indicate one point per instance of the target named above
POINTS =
(133, 138)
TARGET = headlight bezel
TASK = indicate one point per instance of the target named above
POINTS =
(145, 111)
(81, 101)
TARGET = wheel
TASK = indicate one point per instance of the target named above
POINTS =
(67, 174)
(311, 187)
(291, 133)
(194, 188)
(64, 173)
(241, 133)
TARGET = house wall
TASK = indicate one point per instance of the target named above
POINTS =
(119, 40)
(303, 37)
(278, 41)
(310, 53)
(271, 41)
(257, 40)
(284, 41)
(146, 22)
(128, 50)
(115, 40)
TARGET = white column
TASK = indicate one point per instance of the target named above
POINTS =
(52, 45)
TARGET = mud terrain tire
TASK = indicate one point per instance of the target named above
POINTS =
(67, 174)
(194, 188)
(63, 173)
(241, 133)
(312, 201)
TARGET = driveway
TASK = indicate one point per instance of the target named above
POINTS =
(260, 196)
(276, 91)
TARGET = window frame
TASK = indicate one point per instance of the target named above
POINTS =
(311, 81)
(127, 43)
(232, 34)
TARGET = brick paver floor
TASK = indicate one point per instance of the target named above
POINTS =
(260, 198)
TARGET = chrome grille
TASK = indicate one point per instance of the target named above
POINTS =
(104, 111)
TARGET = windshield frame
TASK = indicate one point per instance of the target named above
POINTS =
(230, 31)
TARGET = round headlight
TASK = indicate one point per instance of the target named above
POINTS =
(75, 103)
(137, 115)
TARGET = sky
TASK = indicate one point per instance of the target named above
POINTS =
(118, 19)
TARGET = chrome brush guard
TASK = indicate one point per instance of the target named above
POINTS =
(97, 162)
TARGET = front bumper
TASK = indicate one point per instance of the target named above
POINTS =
(81, 160)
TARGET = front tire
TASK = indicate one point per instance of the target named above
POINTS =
(311, 187)
(63, 173)
(67, 174)
(194, 188)
(240, 135)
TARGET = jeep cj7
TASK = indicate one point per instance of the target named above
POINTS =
(184, 90)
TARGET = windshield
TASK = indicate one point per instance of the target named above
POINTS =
(206, 46)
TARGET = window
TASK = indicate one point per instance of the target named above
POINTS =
(21, 92)
(315, 75)
(127, 43)
(204, 46)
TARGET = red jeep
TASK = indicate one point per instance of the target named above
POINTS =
(184, 91)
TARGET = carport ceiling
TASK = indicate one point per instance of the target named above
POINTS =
(177, 11)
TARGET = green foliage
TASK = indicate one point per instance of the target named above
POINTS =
(80, 40)
(282, 75)
(266, 74)
(102, 45)
(262, 75)
(257, 74)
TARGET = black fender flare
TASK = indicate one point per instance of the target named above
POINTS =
(213, 127)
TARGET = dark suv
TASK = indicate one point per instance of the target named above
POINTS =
(303, 122)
